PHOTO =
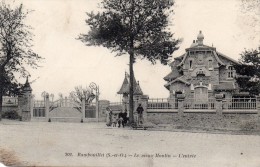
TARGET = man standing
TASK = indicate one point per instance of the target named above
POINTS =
(120, 119)
(140, 110)
(124, 115)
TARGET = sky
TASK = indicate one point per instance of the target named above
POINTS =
(68, 62)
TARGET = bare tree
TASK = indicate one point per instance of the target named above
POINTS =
(81, 93)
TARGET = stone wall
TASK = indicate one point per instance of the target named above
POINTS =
(206, 120)
(9, 108)
(163, 118)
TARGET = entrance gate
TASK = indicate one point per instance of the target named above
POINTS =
(65, 110)
(62, 110)
(65, 103)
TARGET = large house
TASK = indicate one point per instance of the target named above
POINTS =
(201, 72)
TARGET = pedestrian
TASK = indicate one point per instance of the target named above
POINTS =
(140, 110)
(114, 120)
(124, 116)
(109, 114)
(120, 119)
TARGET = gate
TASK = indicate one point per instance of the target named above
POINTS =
(38, 108)
(90, 110)
(65, 103)
(65, 110)
(62, 110)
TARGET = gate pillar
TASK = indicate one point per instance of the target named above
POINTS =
(47, 106)
(219, 104)
(24, 102)
(31, 108)
(181, 98)
(83, 108)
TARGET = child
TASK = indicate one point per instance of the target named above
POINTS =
(114, 120)
(120, 122)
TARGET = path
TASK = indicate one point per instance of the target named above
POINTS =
(88, 144)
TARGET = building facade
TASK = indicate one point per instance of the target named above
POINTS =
(201, 72)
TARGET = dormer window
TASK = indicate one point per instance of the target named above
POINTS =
(230, 72)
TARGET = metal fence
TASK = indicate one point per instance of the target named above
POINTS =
(90, 110)
(245, 104)
(239, 104)
(38, 108)
(197, 104)
(162, 103)
(67, 102)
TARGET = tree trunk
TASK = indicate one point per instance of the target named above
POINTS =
(1, 91)
(131, 89)
(1, 102)
(131, 70)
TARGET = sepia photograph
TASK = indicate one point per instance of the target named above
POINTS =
(130, 83)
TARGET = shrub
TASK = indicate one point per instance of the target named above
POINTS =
(11, 115)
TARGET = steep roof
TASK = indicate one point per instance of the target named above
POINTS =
(177, 59)
(180, 79)
(125, 86)
(27, 86)
(198, 45)
(173, 74)
(224, 56)
(138, 90)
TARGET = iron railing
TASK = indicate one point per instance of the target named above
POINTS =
(239, 104)
(197, 104)
(38, 108)
(162, 103)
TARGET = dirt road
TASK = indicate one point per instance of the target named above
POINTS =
(94, 144)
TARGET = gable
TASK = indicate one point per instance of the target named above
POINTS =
(227, 60)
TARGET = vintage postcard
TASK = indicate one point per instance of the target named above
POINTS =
(130, 83)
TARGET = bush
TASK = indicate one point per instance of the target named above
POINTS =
(11, 115)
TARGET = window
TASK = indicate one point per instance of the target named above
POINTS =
(230, 72)
(190, 64)
(210, 64)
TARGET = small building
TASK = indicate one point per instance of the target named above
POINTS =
(124, 90)
(201, 72)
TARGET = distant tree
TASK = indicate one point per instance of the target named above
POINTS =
(80, 94)
(248, 71)
(60, 96)
(134, 27)
(15, 49)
